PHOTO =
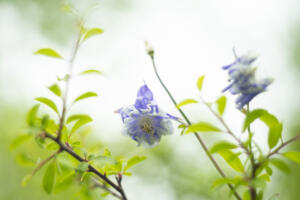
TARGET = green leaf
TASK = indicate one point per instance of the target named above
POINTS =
(202, 127)
(133, 161)
(221, 181)
(222, 145)
(92, 32)
(55, 89)
(279, 164)
(19, 140)
(48, 52)
(80, 123)
(31, 116)
(82, 167)
(232, 160)
(252, 116)
(85, 95)
(275, 127)
(76, 117)
(221, 103)
(91, 71)
(200, 82)
(186, 102)
(47, 102)
(293, 155)
(24, 160)
(49, 177)
(26, 179)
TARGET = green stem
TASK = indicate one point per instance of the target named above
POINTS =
(200, 140)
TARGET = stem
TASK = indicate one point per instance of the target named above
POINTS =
(41, 164)
(64, 106)
(283, 145)
(200, 140)
(228, 130)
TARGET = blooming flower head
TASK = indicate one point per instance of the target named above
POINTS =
(144, 121)
(243, 81)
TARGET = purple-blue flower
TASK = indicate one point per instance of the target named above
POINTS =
(144, 121)
(243, 81)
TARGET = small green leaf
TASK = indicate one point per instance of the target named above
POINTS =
(252, 116)
(133, 161)
(49, 177)
(92, 32)
(221, 103)
(221, 181)
(91, 71)
(55, 89)
(76, 117)
(31, 116)
(279, 164)
(200, 82)
(24, 160)
(222, 145)
(48, 52)
(19, 140)
(47, 102)
(82, 167)
(186, 102)
(80, 123)
(232, 160)
(275, 127)
(293, 155)
(85, 95)
(202, 127)
(26, 179)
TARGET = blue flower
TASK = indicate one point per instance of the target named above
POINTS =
(144, 121)
(243, 81)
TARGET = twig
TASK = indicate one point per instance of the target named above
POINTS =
(67, 149)
(104, 187)
(42, 163)
(283, 145)
(200, 140)
(228, 130)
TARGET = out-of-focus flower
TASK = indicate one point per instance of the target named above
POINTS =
(243, 81)
(144, 121)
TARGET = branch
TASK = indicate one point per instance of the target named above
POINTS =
(283, 145)
(229, 131)
(64, 106)
(67, 149)
(41, 164)
(104, 187)
(200, 140)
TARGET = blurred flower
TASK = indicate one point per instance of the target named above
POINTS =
(144, 121)
(242, 80)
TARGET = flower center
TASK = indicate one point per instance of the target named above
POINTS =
(146, 125)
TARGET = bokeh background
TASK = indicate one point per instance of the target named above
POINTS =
(191, 38)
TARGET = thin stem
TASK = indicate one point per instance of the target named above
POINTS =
(71, 66)
(283, 145)
(200, 140)
(222, 121)
(41, 164)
